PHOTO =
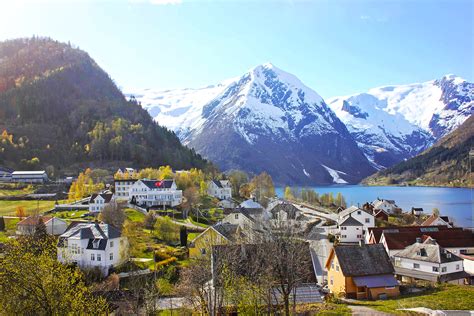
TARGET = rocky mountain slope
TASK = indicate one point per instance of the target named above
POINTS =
(268, 120)
(58, 109)
(446, 163)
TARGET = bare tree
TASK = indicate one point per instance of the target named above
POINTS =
(113, 214)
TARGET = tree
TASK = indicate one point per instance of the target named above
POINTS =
(191, 198)
(263, 188)
(203, 188)
(20, 212)
(436, 211)
(183, 236)
(149, 221)
(40, 230)
(2, 224)
(237, 178)
(37, 284)
(288, 194)
(113, 214)
(166, 230)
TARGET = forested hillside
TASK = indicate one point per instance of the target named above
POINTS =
(446, 163)
(59, 109)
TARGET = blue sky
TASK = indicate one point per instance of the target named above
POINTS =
(334, 47)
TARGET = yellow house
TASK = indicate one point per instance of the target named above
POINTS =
(219, 234)
(361, 272)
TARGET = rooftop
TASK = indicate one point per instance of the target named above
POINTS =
(428, 251)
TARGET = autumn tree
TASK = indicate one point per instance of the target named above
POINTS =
(237, 178)
(37, 284)
(263, 188)
(166, 230)
(288, 195)
(20, 212)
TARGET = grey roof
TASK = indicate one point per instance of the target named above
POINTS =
(227, 230)
(351, 221)
(250, 204)
(359, 260)
(106, 196)
(91, 231)
(350, 210)
(288, 208)
(428, 251)
(218, 183)
(162, 184)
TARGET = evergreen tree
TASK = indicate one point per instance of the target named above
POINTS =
(183, 236)
(2, 224)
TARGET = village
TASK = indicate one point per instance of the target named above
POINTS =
(223, 244)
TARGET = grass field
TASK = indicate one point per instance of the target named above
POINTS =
(9, 207)
(134, 215)
(444, 297)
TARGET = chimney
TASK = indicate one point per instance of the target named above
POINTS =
(418, 239)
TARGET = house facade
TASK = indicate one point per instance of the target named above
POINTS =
(436, 220)
(54, 226)
(29, 176)
(350, 230)
(149, 193)
(220, 189)
(92, 245)
(362, 216)
(361, 272)
(97, 202)
(218, 234)
(388, 206)
(430, 262)
(122, 188)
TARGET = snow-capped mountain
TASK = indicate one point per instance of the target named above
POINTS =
(393, 123)
(265, 120)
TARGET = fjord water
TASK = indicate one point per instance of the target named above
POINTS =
(455, 202)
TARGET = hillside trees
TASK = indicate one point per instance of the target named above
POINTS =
(84, 186)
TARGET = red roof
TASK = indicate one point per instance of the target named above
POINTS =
(377, 231)
(33, 220)
(447, 238)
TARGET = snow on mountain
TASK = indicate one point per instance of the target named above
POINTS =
(393, 123)
(268, 120)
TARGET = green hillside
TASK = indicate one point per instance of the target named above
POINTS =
(444, 164)
(59, 109)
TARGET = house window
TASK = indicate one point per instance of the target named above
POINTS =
(332, 280)
(203, 251)
(367, 220)
(457, 267)
(435, 269)
(111, 244)
(416, 266)
(359, 212)
(359, 236)
(343, 228)
(99, 257)
(236, 216)
(337, 267)
(343, 236)
(444, 269)
(332, 265)
(92, 257)
(111, 256)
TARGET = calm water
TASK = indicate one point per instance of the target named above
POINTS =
(454, 202)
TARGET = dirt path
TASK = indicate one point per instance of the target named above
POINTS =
(366, 311)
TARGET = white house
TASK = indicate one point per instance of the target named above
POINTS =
(350, 230)
(126, 171)
(388, 206)
(155, 193)
(430, 262)
(29, 176)
(54, 226)
(436, 220)
(92, 245)
(97, 202)
(220, 189)
(122, 188)
(362, 216)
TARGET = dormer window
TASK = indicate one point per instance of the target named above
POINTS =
(95, 243)
(359, 212)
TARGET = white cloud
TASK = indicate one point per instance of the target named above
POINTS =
(365, 17)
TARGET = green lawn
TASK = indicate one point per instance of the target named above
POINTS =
(134, 215)
(191, 236)
(444, 297)
(71, 215)
(197, 223)
(9, 207)
(10, 228)
(10, 189)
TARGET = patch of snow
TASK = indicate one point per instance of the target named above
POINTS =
(336, 178)
(306, 173)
